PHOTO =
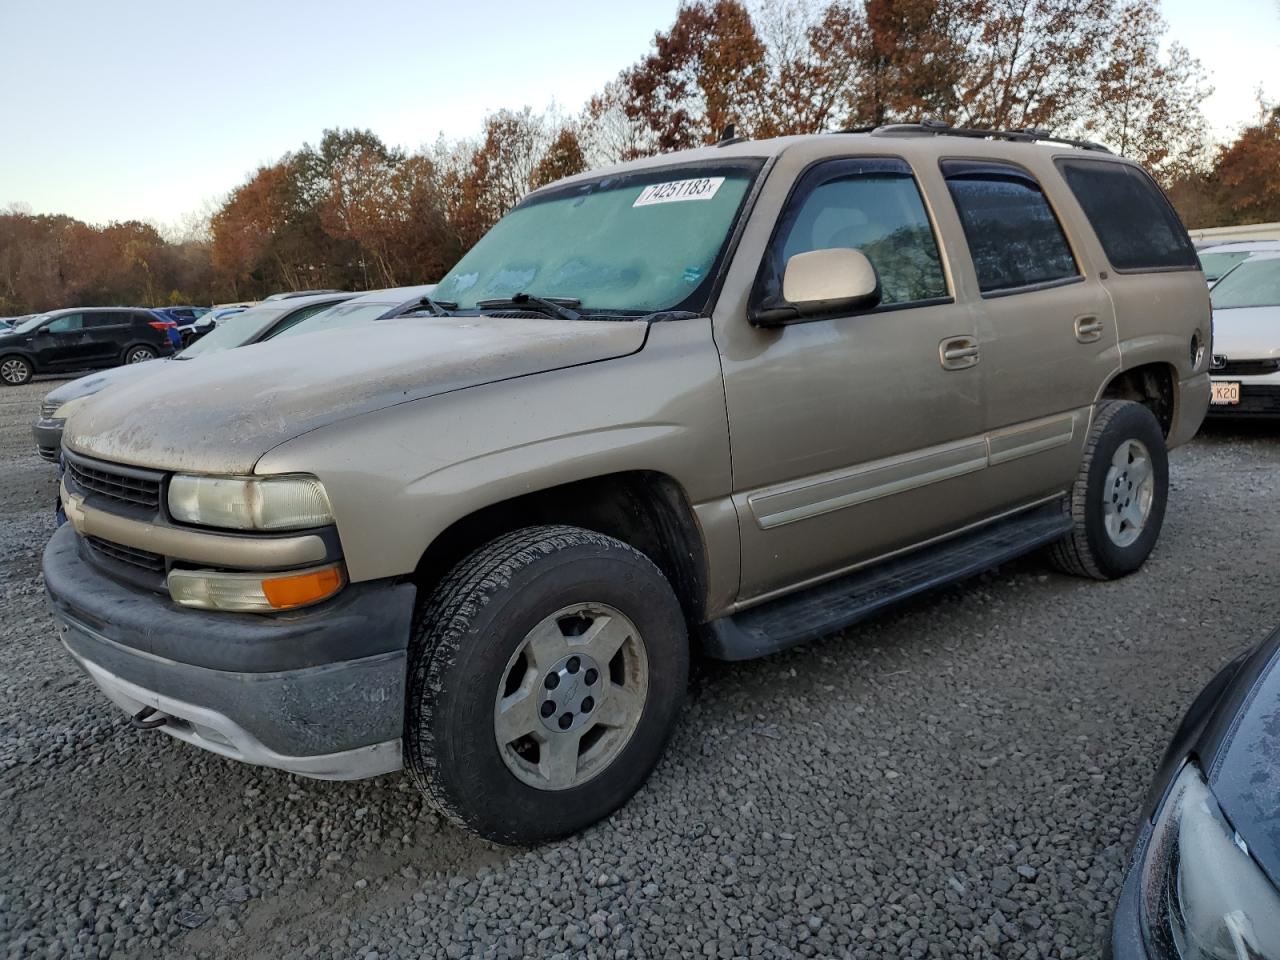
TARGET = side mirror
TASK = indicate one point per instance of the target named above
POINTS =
(837, 279)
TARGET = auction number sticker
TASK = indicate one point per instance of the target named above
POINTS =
(674, 191)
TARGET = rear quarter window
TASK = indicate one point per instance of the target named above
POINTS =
(1136, 225)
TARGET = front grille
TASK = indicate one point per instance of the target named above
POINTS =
(134, 487)
(48, 408)
(1222, 367)
(134, 557)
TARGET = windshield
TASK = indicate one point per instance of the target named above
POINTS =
(1215, 265)
(28, 325)
(1255, 283)
(636, 243)
(342, 315)
(234, 331)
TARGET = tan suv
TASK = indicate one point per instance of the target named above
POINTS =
(730, 400)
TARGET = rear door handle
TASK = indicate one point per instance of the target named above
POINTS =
(957, 353)
(1088, 329)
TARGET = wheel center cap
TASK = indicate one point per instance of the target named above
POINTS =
(570, 693)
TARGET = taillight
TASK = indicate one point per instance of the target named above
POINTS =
(162, 324)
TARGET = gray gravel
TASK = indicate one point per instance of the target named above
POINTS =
(958, 778)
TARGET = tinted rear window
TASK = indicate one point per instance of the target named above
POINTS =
(1136, 225)
(1014, 237)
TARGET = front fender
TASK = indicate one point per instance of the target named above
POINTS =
(400, 476)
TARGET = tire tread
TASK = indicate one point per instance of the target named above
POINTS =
(441, 626)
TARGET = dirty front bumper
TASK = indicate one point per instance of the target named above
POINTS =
(319, 692)
(48, 437)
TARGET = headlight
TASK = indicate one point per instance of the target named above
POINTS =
(1203, 897)
(66, 409)
(249, 503)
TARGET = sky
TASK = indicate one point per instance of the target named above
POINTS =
(141, 109)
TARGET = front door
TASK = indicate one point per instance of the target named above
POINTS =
(62, 344)
(854, 435)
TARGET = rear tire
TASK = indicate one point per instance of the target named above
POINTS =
(139, 354)
(1117, 502)
(15, 371)
(546, 672)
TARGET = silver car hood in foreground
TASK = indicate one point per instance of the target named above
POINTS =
(101, 379)
(1247, 333)
(222, 414)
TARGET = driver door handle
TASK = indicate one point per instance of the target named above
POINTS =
(958, 353)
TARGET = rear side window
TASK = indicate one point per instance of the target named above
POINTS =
(1136, 225)
(1013, 235)
(105, 319)
(872, 205)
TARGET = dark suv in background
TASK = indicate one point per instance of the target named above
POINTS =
(82, 338)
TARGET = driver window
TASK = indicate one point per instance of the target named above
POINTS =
(67, 323)
(882, 215)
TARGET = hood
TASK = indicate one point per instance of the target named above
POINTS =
(222, 414)
(1239, 752)
(88, 385)
(1247, 333)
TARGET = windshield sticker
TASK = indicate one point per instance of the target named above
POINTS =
(674, 191)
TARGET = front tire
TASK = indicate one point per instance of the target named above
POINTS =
(15, 371)
(546, 672)
(1118, 500)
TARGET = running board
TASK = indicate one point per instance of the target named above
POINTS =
(817, 611)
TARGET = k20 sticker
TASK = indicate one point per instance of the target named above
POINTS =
(674, 191)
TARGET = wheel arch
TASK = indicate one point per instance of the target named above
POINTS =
(1154, 385)
(648, 510)
(133, 343)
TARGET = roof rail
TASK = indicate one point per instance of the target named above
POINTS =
(1023, 135)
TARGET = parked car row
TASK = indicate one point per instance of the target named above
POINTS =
(238, 327)
(82, 338)
(726, 400)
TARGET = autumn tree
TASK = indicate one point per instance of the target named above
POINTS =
(706, 71)
(1244, 173)
(1144, 104)
(563, 158)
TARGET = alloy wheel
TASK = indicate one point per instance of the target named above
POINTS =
(1128, 492)
(571, 697)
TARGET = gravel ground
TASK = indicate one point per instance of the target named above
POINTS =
(958, 778)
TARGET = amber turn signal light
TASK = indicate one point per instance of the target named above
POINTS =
(283, 593)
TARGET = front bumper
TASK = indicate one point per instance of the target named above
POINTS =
(48, 437)
(319, 692)
(1259, 399)
(1127, 941)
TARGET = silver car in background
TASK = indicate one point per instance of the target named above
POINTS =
(1219, 259)
(1245, 367)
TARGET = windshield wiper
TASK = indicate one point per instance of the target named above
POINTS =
(438, 308)
(554, 306)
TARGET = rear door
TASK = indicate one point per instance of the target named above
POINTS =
(108, 330)
(1046, 329)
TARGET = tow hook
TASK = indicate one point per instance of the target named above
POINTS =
(148, 718)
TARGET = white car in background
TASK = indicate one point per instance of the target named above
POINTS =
(1245, 367)
(1219, 259)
